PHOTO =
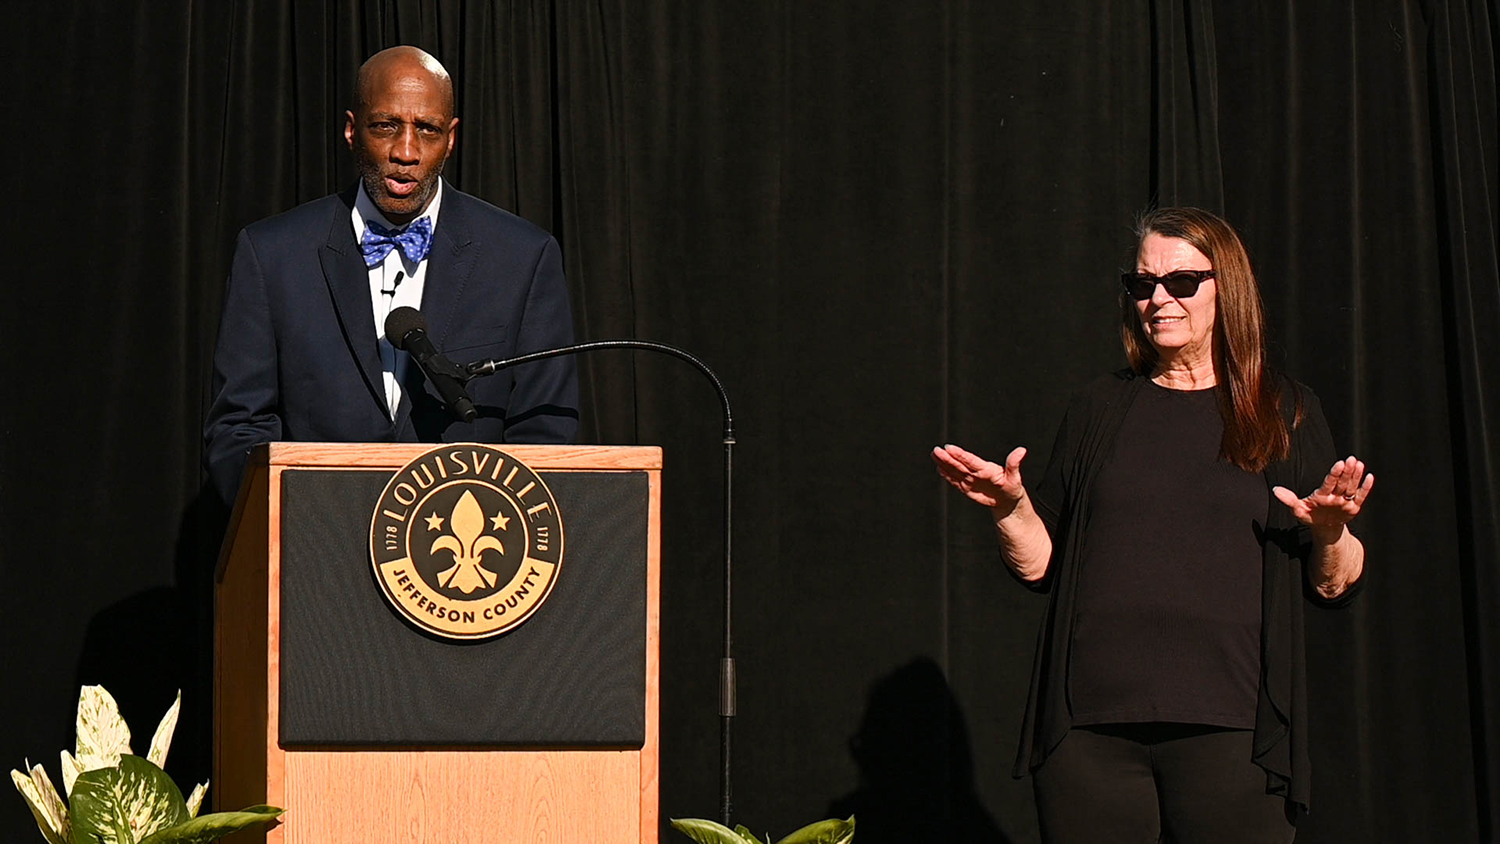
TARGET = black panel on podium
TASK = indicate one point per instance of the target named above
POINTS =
(354, 673)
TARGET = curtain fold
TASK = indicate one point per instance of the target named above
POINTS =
(1185, 105)
(1466, 163)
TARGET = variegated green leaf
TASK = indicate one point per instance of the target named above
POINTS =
(102, 733)
(163, 737)
(70, 770)
(48, 809)
(124, 804)
(195, 800)
(746, 833)
(48, 793)
(213, 827)
(709, 832)
(823, 832)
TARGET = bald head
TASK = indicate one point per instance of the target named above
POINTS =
(401, 129)
(395, 66)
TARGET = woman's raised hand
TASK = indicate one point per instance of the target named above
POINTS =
(991, 484)
(1338, 500)
(1025, 544)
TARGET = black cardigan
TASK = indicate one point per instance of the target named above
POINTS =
(1083, 442)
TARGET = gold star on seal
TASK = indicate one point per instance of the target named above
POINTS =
(434, 522)
(500, 520)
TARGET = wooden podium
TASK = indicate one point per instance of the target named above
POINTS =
(367, 728)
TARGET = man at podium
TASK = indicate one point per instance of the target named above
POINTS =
(302, 353)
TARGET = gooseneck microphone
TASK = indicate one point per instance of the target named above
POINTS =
(406, 328)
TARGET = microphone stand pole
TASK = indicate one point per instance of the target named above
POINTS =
(728, 686)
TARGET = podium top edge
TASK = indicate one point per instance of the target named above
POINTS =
(396, 455)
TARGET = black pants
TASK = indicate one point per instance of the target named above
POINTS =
(1177, 783)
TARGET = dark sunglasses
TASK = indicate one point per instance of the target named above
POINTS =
(1182, 284)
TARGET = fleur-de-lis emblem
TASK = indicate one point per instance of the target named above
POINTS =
(467, 544)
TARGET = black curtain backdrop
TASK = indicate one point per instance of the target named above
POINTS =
(887, 225)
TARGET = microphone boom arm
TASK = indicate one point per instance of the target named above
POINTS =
(728, 685)
(489, 367)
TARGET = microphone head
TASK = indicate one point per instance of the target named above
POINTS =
(401, 322)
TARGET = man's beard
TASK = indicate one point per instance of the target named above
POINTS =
(397, 206)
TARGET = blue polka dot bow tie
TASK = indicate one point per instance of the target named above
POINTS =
(414, 243)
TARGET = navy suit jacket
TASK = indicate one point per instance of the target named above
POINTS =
(298, 357)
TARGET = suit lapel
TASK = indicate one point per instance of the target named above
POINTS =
(349, 284)
(449, 265)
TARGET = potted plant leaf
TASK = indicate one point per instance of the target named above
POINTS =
(115, 797)
(831, 831)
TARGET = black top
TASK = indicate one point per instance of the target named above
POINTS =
(1167, 626)
(1084, 441)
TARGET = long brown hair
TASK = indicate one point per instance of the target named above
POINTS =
(1255, 434)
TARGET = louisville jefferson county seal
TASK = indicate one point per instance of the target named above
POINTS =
(466, 541)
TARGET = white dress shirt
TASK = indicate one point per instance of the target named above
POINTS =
(394, 283)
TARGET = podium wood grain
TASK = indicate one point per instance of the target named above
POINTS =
(373, 796)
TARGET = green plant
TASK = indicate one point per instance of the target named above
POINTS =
(822, 832)
(117, 798)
